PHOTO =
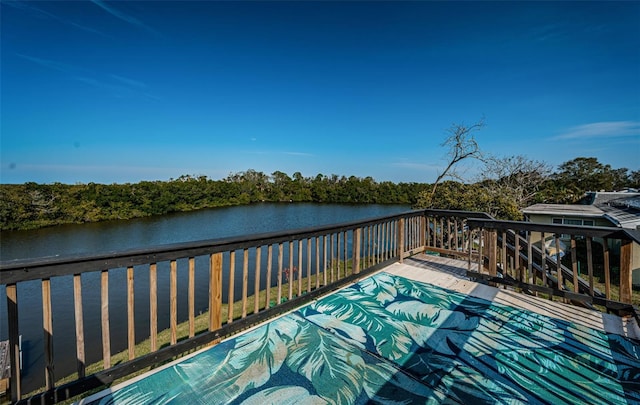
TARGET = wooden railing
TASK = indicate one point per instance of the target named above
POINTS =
(248, 280)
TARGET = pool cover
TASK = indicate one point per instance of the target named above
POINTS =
(392, 340)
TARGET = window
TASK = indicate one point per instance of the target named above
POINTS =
(573, 221)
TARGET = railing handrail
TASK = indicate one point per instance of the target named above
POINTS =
(13, 271)
(557, 229)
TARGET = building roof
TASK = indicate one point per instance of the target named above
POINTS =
(622, 209)
(565, 209)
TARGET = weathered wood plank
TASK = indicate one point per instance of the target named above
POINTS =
(153, 306)
(309, 265)
(256, 284)
(590, 264)
(574, 264)
(401, 239)
(79, 322)
(104, 318)
(607, 271)
(131, 324)
(173, 300)
(245, 280)
(317, 243)
(267, 300)
(290, 270)
(215, 291)
(280, 270)
(192, 296)
(47, 328)
(232, 281)
(14, 341)
(299, 291)
(625, 271)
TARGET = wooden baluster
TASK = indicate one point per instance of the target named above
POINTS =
(192, 297)
(47, 327)
(173, 300)
(299, 267)
(442, 233)
(492, 251)
(267, 299)
(401, 240)
(153, 306)
(77, 304)
(574, 264)
(607, 273)
(356, 250)
(215, 291)
(590, 264)
(290, 270)
(530, 274)
(104, 317)
(324, 262)
(317, 262)
(309, 265)
(245, 281)
(378, 243)
(558, 263)
(503, 254)
(280, 270)
(516, 257)
(543, 263)
(131, 324)
(470, 248)
(625, 271)
(344, 252)
(14, 342)
(457, 236)
(339, 235)
(256, 284)
(232, 280)
(480, 257)
(332, 258)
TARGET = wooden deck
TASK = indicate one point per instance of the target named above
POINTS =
(417, 331)
(451, 274)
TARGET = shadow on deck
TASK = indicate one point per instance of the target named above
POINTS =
(417, 331)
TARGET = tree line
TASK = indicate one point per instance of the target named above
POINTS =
(507, 185)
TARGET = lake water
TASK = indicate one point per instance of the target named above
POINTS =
(137, 233)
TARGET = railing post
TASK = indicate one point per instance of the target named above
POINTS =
(625, 271)
(14, 342)
(401, 239)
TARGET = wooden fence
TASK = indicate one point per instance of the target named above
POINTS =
(251, 279)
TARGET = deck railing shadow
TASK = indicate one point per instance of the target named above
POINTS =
(484, 352)
(241, 282)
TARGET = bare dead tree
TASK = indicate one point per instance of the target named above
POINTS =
(517, 178)
(461, 145)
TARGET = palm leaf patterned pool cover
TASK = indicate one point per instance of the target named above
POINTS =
(391, 340)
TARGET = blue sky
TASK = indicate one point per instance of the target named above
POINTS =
(113, 92)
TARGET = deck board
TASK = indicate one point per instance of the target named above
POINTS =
(417, 331)
(451, 274)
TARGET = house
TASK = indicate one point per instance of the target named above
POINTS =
(608, 209)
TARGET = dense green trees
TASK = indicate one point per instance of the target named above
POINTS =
(506, 186)
(31, 205)
(509, 184)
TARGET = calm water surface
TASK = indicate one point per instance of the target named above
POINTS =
(137, 233)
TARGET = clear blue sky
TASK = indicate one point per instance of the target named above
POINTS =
(121, 91)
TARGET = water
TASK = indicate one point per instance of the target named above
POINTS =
(138, 233)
